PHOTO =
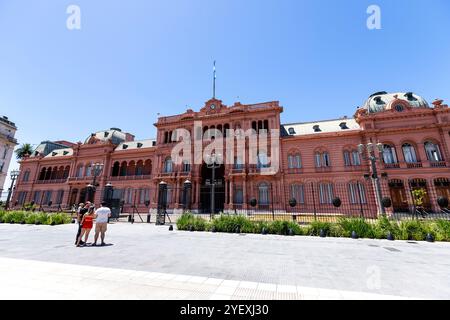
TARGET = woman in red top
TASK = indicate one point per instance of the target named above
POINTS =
(86, 226)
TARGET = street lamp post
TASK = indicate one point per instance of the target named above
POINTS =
(213, 161)
(187, 195)
(370, 147)
(98, 168)
(14, 176)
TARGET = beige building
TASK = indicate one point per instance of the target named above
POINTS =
(7, 144)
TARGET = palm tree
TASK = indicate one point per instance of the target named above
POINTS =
(24, 150)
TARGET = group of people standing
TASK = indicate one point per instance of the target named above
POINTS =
(86, 214)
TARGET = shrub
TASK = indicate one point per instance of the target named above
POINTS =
(360, 226)
(188, 220)
(59, 218)
(2, 215)
(225, 223)
(258, 226)
(8, 217)
(31, 218)
(283, 227)
(316, 226)
(18, 216)
(42, 218)
(441, 229)
(414, 230)
(383, 226)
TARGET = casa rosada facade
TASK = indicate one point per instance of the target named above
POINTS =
(410, 137)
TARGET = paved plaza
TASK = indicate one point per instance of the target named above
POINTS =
(149, 262)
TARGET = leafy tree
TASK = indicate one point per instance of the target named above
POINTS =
(24, 150)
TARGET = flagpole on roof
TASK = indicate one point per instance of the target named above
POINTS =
(214, 80)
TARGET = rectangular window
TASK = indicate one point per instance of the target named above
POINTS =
(22, 197)
(347, 161)
(129, 196)
(297, 193)
(298, 161)
(326, 193)
(290, 162)
(144, 196)
(326, 160)
(318, 160)
(238, 196)
(356, 160)
(47, 197)
(59, 197)
(357, 193)
(37, 197)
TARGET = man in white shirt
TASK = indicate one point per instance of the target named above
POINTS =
(102, 216)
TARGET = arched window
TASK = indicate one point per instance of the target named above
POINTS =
(66, 172)
(433, 152)
(389, 155)
(123, 169)
(26, 176)
(322, 159)
(42, 174)
(116, 169)
(168, 165)
(48, 174)
(298, 193)
(148, 167)
(131, 169)
(294, 161)
(263, 194)
(409, 153)
(139, 168)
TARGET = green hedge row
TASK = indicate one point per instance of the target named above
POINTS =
(25, 217)
(345, 227)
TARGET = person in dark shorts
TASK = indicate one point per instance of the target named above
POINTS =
(82, 210)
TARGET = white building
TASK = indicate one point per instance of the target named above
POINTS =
(7, 144)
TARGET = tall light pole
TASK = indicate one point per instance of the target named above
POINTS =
(98, 168)
(213, 161)
(14, 176)
(370, 148)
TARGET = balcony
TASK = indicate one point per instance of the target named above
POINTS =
(294, 170)
(356, 168)
(392, 165)
(323, 169)
(414, 164)
(184, 173)
(128, 178)
(438, 164)
(75, 179)
(54, 181)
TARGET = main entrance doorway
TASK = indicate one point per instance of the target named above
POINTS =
(205, 191)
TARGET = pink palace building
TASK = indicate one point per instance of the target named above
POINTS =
(409, 137)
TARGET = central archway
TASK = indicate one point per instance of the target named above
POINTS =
(205, 192)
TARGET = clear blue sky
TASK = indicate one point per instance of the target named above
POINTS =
(135, 58)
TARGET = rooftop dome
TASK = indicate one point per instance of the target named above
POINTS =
(115, 135)
(381, 101)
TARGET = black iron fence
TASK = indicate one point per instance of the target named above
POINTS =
(300, 202)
